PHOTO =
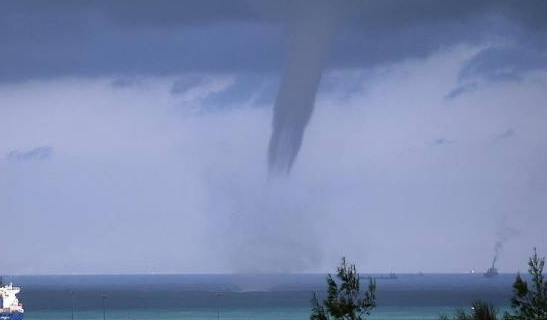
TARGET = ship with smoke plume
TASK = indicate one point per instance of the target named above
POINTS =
(492, 271)
(503, 235)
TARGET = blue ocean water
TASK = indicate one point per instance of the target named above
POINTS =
(279, 297)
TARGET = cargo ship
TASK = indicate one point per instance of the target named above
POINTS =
(10, 308)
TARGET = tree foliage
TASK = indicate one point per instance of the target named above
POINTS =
(479, 311)
(529, 302)
(344, 299)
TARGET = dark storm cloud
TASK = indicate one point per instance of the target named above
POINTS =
(133, 38)
(505, 63)
(258, 89)
(443, 142)
(126, 82)
(507, 134)
(95, 38)
(182, 85)
(458, 91)
(144, 38)
(38, 153)
(499, 64)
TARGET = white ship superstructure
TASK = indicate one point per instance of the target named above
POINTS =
(10, 307)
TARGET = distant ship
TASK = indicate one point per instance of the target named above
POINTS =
(492, 271)
(389, 276)
(10, 308)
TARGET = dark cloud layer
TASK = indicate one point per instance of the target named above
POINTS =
(443, 142)
(507, 134)
(96, 38)
(458, 91)
(38, 153)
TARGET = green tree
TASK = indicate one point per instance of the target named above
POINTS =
(529, 302)
(479, 311)
(344, 299)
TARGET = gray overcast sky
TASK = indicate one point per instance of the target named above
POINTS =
(134, 134)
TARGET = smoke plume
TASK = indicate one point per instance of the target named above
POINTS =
(504, 234)
(311, 34)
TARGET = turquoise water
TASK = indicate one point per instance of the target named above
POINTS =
(267, 297)
(388, 313)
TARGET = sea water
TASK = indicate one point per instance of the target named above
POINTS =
(275, 297)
